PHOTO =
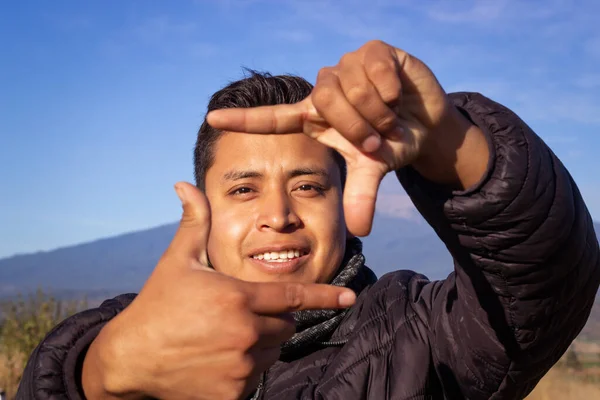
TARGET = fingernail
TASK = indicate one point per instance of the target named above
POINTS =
(371, 143)
(347, 298)
(180, 193)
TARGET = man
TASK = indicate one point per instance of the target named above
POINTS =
(275, 220)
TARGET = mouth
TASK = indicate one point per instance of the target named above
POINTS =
(280, 259)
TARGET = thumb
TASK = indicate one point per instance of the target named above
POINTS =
(191, 237)
(360, 195)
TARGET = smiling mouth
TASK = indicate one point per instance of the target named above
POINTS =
(280, 256)
(278, 262)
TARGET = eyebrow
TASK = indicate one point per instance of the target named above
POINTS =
(308, 171)
(235, 175)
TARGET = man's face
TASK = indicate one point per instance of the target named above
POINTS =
(276, 205)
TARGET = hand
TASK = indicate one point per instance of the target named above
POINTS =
(377, 108)
(194, 333)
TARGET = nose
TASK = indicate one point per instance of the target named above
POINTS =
(276, 212)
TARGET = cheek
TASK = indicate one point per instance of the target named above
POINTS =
(225, 241)
(329, 229)
(333, 222)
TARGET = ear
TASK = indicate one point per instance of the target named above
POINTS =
(349, 235)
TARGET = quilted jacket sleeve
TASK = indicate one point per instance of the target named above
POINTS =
(527, 264)
(54, 368)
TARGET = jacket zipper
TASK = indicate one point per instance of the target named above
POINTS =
(258, 391)
(334, 343)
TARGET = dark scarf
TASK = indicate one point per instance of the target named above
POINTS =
(314, 327)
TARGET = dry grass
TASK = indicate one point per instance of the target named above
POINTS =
(561, 384)
(558, 384)
(10, 372)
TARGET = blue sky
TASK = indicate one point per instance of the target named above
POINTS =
(100, 101)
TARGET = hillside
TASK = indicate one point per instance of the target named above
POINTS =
(122, 263)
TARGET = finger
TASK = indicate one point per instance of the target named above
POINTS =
(383, 68)
(331, 103)
(277, 297)
(283, 118)
(274, 330)
(192, 234)
(365, 98)
(360, 195)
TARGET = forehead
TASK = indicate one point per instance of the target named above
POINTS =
(269, 153)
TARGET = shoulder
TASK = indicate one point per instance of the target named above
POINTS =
(388, 301)
(395, 286)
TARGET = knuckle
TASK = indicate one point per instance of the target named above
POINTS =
(323, 73)
(323, 96)
(390, 94)
(189, 219)
(247, 337)
(357, 129)
(294, 295)
(375, 43)
(348, 58)
(379, 67)
(386, 123)
(234, 300)
(358, 94)
(244, 367)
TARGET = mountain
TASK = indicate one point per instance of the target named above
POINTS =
(122, 263)
(116, 264)
(400, 240)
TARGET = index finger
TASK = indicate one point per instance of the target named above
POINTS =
(282, 297)
(283, 118)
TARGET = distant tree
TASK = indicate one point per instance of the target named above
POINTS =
(572, 360)
(24, 322)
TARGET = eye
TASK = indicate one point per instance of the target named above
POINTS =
(308, 187)
(240, 191)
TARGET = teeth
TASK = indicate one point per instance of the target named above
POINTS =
(278, 256)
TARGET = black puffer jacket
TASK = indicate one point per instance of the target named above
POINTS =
(527, 269)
